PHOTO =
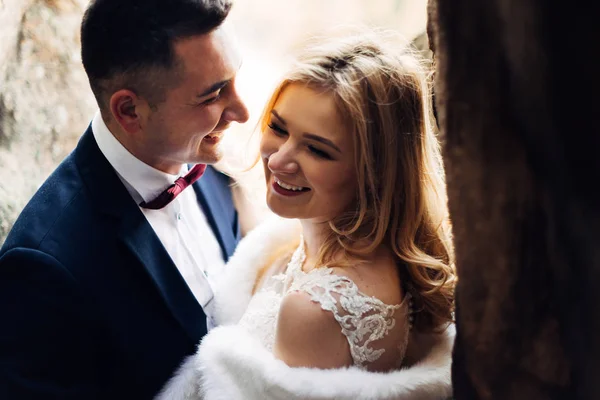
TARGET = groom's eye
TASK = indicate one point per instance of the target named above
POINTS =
(212, 99)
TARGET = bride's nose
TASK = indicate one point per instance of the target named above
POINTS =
(282, 161)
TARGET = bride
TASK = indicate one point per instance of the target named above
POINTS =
(350, 295)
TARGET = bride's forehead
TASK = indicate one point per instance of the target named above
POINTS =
(308, 110)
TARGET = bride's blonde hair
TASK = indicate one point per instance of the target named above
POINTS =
(401, 199)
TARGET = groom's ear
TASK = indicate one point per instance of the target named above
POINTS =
(129, 110)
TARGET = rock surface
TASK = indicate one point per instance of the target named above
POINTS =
(45, 101)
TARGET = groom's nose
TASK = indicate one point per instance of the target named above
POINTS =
(236, 111)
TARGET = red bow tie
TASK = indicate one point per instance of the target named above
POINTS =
(173, 191)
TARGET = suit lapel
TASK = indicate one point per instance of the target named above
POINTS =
(111, 197)
(141, 240)
(214, 204)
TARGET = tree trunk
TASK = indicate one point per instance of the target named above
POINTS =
(516, 92)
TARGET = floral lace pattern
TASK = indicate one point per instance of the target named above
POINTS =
(363, 319)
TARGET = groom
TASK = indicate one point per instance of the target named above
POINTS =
(103, 278)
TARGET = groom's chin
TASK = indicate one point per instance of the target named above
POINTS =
(210, 156)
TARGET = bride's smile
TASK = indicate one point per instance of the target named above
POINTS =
(286, 189)
(307, 155)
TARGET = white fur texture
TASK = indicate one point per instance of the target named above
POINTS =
(232, 365)
(233, 289)
(184, 385)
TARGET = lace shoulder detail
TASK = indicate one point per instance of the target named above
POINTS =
(363, 319)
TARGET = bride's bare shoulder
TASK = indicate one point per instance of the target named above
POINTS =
(308, 336)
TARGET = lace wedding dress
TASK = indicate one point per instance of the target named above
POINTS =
(235, 361)
(364, 320)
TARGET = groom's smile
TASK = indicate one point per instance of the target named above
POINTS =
(188, 125)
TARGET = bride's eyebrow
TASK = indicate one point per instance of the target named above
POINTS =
(311, 136)
(321, 139)
(276, 115)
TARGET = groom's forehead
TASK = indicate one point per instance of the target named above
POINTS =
(209, 60)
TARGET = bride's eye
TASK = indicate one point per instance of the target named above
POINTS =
(279, 131)
(319, 153)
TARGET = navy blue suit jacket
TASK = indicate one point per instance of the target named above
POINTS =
(91, 304)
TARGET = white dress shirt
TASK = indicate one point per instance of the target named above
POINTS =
(181, 226)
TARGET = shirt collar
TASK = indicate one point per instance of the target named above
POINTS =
(144, 182)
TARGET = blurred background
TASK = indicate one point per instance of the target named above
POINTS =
(46, 103)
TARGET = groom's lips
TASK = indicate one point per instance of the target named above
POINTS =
(213, 137)
(217, 134)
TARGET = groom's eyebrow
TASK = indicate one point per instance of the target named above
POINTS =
(218, 85)
(214, 88)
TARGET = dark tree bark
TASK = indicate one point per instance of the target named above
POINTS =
(517, 86)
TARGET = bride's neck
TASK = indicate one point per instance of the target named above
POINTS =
(314, 236)
(315, 233)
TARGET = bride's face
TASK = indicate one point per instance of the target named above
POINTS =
(308, 156)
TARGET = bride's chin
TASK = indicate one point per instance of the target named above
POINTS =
(283, 212)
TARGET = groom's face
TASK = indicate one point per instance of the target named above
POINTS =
(188, 126)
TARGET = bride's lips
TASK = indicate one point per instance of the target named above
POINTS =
(276, 184)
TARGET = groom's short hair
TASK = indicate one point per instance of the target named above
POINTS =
(129, 44)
